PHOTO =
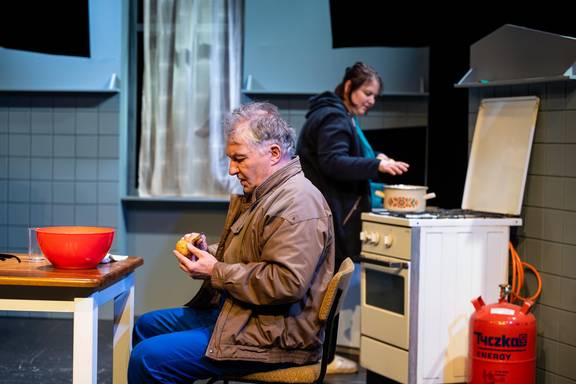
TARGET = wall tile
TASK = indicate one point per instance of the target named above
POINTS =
(3, 144)
(87, 146)
(87, 169)
(108, 192)
(108, 123)
(555, 95)
(108, 215)
(18, 214)
(566, 359)
(64, 169)
(64, 122)
(108, 170)
(62, 192)
(40, 215)
(41, 169)
(3, 213)
(41, 146)
(3, 237)
(87, 123)
(64, 146)
(569, 224)
(4, 126)
(569, 260)
(566, 328)
(3, 190)
(547, 354)
(86, 215)
(545, 191)
(41, 191)
(108, 146)
(550, 127)
(551, 257)
(18, 238)
(552, 291)
(19, 121)
(19, 145)
(63, 214)
(19, 191)
(86, 192)
(41, 122)
(3, 167)
(570, 160)
(569, 295)
(548, 322)
(571, 127)
(571, 95)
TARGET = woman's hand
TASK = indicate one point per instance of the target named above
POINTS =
(199, 266)
(392, 166)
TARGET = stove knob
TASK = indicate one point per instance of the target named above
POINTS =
(388, 240)
(373, 238)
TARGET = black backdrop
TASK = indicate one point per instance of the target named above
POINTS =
(448, 33)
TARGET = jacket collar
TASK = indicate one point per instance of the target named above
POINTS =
(274, 180)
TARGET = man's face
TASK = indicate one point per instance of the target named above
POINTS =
(251, 165)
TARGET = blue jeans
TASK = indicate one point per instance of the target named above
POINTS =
(169, 347)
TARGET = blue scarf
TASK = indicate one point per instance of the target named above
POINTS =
(368, 152)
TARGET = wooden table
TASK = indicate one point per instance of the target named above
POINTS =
(38, 286)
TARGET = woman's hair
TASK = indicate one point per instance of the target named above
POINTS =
(265, 126)
(358, 74)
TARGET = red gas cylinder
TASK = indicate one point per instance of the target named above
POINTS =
(502, 342)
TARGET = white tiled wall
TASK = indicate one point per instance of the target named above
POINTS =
(547, 239)
(59, 157)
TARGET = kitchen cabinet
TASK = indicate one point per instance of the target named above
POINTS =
(288, 50)
(31, 71)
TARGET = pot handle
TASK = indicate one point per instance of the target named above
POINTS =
(380, 193)
(429, 196)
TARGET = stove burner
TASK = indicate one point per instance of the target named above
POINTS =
(442, 213)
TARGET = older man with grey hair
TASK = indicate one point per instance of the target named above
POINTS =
(263, 282)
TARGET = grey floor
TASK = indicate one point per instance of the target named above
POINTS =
(39, 350)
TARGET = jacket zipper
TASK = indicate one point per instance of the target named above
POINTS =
(351, 211)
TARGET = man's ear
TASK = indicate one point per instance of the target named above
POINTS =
(275, 153)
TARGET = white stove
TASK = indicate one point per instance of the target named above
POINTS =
(418, 277)
(420, 271)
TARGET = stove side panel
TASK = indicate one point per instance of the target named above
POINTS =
(457, 264)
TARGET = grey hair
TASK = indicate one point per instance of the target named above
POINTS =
(265, 126)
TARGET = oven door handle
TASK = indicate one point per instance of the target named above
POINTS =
(384, 263)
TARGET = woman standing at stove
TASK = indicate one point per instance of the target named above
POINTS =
(340, 162)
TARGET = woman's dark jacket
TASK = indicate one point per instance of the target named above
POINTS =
(331, 157)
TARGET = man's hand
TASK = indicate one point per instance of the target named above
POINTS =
(199, 266)
(392, 166)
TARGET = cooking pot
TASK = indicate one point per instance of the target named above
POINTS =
(405, 198)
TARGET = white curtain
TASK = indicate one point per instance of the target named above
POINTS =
(191, 79)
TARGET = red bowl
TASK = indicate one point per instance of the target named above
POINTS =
(75, 247)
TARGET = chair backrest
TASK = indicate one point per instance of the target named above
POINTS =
(330, 308)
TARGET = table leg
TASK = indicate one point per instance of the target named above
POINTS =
(123, 324)
(85, 350)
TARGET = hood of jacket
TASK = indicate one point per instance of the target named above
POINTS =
(326, 103)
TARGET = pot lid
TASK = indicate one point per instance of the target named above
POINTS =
(500, 152)
(405, 187)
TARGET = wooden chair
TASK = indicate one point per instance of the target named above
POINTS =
(312, 373)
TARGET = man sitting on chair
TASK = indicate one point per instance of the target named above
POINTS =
(257, 309)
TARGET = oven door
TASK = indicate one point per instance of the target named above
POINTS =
(385, 299)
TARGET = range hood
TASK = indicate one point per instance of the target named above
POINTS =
(516, 55)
